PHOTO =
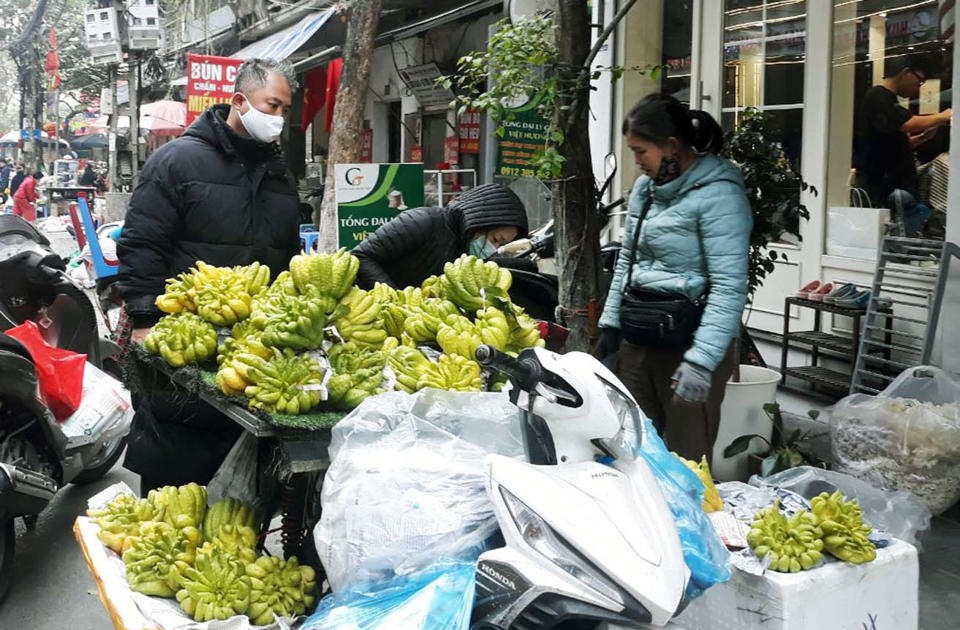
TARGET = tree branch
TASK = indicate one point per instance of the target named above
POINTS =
(605, 33)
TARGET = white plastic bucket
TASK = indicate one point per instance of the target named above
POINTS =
(742, 413)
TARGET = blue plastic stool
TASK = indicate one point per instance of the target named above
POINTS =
(309, 240)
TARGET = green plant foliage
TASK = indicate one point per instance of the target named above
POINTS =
(773, 188)
(521, 58)
(784, 450)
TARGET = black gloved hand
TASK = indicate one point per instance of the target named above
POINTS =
(607, 343)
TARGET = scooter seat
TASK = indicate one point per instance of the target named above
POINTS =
(13, 345)
(19, 380)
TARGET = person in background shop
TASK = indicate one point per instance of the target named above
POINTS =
(416, 243)
(25, 199)
(18, 178)
(5, 175)
(89, 176)
(222, 193)
(888, 133)
(693, 242)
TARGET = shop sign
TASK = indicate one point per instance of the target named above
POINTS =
(522, 138)
(469, 132)
(366, 146)
(451, 150)
(209, 81)
(370, 195)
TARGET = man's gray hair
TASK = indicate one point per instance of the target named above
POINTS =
(253, 74)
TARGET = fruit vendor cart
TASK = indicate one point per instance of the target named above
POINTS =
(291, 453)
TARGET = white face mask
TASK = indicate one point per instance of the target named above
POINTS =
(260, 126)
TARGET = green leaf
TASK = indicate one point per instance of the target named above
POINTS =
(741, 444)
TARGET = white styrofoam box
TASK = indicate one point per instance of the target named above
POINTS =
(879, 595)
(855, 232)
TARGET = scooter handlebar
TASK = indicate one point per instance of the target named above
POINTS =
(524, 372)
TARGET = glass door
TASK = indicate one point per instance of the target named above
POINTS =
(764, 50)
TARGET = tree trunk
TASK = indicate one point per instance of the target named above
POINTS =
(574, 202)
(363, 16)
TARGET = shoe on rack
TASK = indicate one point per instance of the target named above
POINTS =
(842, 292)
(824, 290)
(858, 300)
(804, 293)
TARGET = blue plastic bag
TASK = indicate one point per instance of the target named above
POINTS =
(703, 550)
(440, 598)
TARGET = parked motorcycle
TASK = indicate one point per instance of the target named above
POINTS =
(586, 542)
(36, 456)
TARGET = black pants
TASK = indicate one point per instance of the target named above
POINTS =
(175, 440)
(689, 429)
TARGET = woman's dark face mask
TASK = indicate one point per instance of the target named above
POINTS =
(669, 170)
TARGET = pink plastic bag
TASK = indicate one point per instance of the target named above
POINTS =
(59, 372)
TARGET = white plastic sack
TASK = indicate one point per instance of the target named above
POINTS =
(105, 411)
(905, 438)
(405, 486)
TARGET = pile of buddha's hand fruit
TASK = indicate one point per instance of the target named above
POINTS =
(312, 335)
(173, 546)
(834, 525)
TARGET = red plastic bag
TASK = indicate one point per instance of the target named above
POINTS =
(59, 372)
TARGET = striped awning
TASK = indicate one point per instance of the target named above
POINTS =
(284, 43)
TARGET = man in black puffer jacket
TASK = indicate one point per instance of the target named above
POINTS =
(416, 244)
(222, 194)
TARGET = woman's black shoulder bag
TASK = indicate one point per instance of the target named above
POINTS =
(659, 320)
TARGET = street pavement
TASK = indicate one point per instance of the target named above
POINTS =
(53, 588)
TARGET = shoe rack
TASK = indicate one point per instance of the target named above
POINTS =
(825, 344)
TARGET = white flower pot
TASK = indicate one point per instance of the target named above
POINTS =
(742, 413)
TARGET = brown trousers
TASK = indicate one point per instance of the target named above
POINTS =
(689, 429)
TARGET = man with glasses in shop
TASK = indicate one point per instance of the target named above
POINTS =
(888, 133)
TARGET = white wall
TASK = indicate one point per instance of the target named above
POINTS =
(603, 103)
(386, 87)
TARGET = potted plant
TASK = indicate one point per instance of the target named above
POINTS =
(783, 450)
(773, 188)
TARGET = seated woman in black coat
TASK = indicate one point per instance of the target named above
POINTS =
(416, 244)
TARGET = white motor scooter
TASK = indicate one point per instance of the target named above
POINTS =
(589, 536)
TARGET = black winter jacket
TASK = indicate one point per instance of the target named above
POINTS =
(416, 244)
(210, 195)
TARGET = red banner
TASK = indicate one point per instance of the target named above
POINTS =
(470, 131)
(366, 146)
(209, 81)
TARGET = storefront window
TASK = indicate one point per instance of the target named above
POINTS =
(889, 142)
(764, 46)
(677, 49)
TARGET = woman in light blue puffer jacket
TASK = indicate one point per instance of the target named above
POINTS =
(693, 242)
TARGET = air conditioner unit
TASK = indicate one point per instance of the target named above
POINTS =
(143, 25)
(102, 35)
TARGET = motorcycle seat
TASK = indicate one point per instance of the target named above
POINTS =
(12, 345)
